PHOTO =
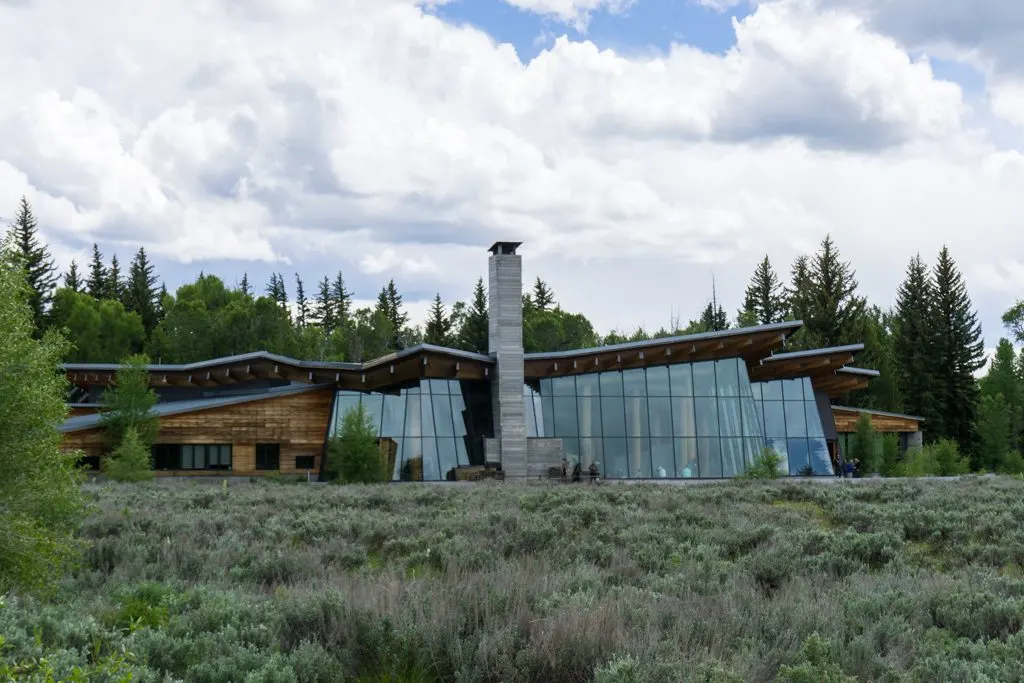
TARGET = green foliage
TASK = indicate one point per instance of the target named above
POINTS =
(140, 295)
(353, 457)
(96, 285)
(128, 403)
(891, 461)
(41, 506)
(40, 273)
(767, 465)
(764, 301)
(471, 322)
(865, 445)
(913, 342)
(831, 308)
(102, 330)
(817, 665)
(994, 431)
(130, 461)
(438, 330)
(939, 459)
(73, 278)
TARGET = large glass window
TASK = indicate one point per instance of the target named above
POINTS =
(793, 426)
(191, 456)
(704, 379)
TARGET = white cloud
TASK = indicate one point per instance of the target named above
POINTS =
(377, 135)
(1008, 101)
(573, 12)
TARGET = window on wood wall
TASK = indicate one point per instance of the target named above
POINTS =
(268, 456)
(304, 462)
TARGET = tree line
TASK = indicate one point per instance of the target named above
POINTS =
(928, 346)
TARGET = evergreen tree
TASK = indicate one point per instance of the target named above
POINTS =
(128, 402)
(765, 297)
(800, 287)
(959, 352)
(543, 298)
(439, 325)
(96, 285)
(161, 302)
(244, 287)
(833, 309)
(140, 294)
(712, 319)
(277, 291)
(115, 286)
(342, 300)
(40, 273)
(914, 344)
(72, 278)
(324, 310)
(474, 332)
(301, 302)
(1003, 379)
(389, 304)
(993, 433)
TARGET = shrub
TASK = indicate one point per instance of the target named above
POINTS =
(130, 461)
(767, 465)
(940, 459)
(816, 665)
(353, 456)
(890, 463)
(1013, 463)
(865, 445)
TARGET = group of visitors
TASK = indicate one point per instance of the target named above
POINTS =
(577, 472)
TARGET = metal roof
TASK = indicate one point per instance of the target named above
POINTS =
(788, 327)
(867, 372)
(81, 422)
(880, 413)
(814, 353)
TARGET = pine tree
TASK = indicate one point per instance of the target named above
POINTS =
(301, 302)
(543, 298)
(389, 304)
(439, 324)
(115, 286)
(72, 279)
(1002, 378)
(96, 285)
(712, 319)
(342, 300)
(993, 432)
(40, 273)
(959, 352)
(324, 311)
(244, 287)
(140, 295)
(833, 308)
(161, 306)
(914, 344)
(474, 333)
(277, 291)
(800, 286)
(765, 297)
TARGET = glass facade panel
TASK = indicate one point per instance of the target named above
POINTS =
(727, 375)
(799, 457)
(589, 416)
(443, 423)
(707, 416)
(546, 417)
(730, 422)
(793, 389)
(588, 385)
(796, 419)
(704, 379)
(611, 383)
(634, 382)
(663, 459)
(771, 391)
(657, 381)
(659, 409)
(637, 424)
(814, 426)
(447, 457)
(709, 458)
(393, 420)
(591, 451)
(563, 386)
(821, 463)
(613, 416)
(779, 446)
(686, 458)
(733, 461)
(615, 458)
(774, 419)
(681, 379)
(639, 458)
(565, 416)
(684, 419)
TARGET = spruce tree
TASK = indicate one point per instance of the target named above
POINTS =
(833, 309)
(439, 325)
(342, 300)
(474, 333)
(301, 302)
(161, 305)
(324, 311)
(140, 294)
(959, 352)
(914, 342)
(389, 304)
(543, 298)
(800, 287)
(72, 278)
(993, 425)
(96, 285)
(115, 286)
(277, 291)
(765, 297)
(1002, 378)
(40, 273)
(244, 287)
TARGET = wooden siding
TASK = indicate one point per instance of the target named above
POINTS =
(297, 422)
(846, 422)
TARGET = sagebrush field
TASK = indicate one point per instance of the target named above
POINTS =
(892, 581)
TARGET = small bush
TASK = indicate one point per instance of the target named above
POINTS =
(130, 461)
(940, 459)
(1013, 463)
(767, 465)
(353, 457)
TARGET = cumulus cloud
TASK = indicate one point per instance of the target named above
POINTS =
(573, 12)
(378, 136)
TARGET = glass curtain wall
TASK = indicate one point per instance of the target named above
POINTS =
(426, 429)
(676, 421)
(793, 425)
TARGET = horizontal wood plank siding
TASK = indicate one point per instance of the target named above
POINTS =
(297, 422)
(846, 422)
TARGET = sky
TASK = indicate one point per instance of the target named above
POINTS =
(640, 149)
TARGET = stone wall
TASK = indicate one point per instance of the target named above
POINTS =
(543, 454)
(505, 319)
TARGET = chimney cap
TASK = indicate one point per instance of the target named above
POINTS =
(508, 248)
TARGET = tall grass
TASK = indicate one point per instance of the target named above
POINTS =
(742, 581)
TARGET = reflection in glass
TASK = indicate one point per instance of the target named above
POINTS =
(634, 382)
(615, 458)
(771, 391)
(447, 457)
(729, 420)
(663, 459)
(681, 379)
(659, 409)
(591, 451)
(796, 419)
(707, 416)
(774, 419)
(657, 381)
(563, 386)
(780, 446)
(686, 458)
(613, 416)
(373, 405)
(639, 458)
(393, 421)
(684, 421)
(733, 462)
(704, 378)
(793, 389)
(636, 416)
(821, 463)
(799, 456)
(611, 383)
(589, 411)
(565, 416)
(728, 377)
(443, 422)
(709, 458)
(814, 426)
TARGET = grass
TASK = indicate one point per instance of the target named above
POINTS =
(742, 581)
